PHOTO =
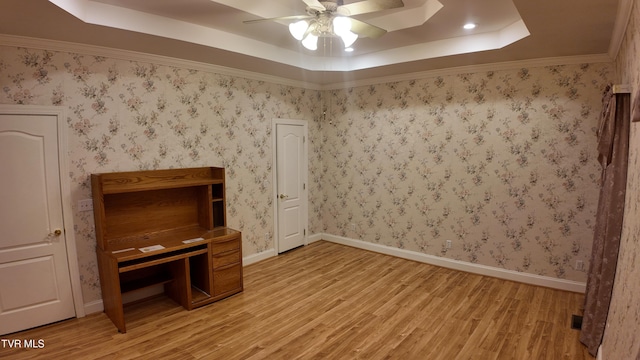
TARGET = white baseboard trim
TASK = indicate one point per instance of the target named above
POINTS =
(599, 355)
(252, 259)
(531, 279)
(93, 307)
(313, 238)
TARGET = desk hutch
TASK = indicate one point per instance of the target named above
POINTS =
(165, 227)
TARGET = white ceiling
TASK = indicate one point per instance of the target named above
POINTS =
(422, 35)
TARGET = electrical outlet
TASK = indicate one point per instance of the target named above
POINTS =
(85, 205)
(448, 244)
(579, 265)
(353, 227)
(266, 236)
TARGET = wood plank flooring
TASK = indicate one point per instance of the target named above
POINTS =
(328, 301)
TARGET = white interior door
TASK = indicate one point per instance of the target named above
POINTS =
(35, 283)
(291, 187)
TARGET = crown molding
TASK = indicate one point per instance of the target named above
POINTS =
(128, 55)
(510, 65)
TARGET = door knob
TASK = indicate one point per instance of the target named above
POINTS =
(283, 196)
(57, 232)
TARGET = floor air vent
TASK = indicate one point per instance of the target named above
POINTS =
(576, 322)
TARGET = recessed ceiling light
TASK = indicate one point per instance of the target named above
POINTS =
(469, 26)
(349, 49)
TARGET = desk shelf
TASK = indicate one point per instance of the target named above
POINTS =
(139, 284)
(198, 295)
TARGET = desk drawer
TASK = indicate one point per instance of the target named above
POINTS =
(225, 259)
(224, 246)
(228, 280)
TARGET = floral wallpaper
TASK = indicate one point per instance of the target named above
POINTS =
(502, 163)
(128, 115)
(623, 324)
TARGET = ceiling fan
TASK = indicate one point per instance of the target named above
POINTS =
(332, 18)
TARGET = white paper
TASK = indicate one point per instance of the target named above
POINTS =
(192, 240)
(151, 248)
(121, 251)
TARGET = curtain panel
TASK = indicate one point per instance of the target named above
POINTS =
(613, 155)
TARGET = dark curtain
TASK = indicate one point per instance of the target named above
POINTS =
(613, 154)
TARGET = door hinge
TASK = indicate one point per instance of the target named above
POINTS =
(304, 186)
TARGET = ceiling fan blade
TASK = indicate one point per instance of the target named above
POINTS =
(315, 5)
(369, 6)
(367, 30)
(293, 17)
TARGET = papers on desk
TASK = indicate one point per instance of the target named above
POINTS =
(121, 251)
(156, 247)
(151, 248)
(192, 240)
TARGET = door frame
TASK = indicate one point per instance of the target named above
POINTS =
(65, 192)
(305, 170)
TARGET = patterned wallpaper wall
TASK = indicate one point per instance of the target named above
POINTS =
(502, 163)
(623, 324)
(127, 115)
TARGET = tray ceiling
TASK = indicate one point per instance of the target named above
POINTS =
(421, 35)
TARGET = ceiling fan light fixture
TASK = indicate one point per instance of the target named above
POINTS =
(348, 38)
(298, 29)
(341, 25)
(310, 42)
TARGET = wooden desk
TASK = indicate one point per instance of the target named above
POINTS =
(193, 274)
(165, 227)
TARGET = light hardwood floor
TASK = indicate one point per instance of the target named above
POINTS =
(328, 301)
